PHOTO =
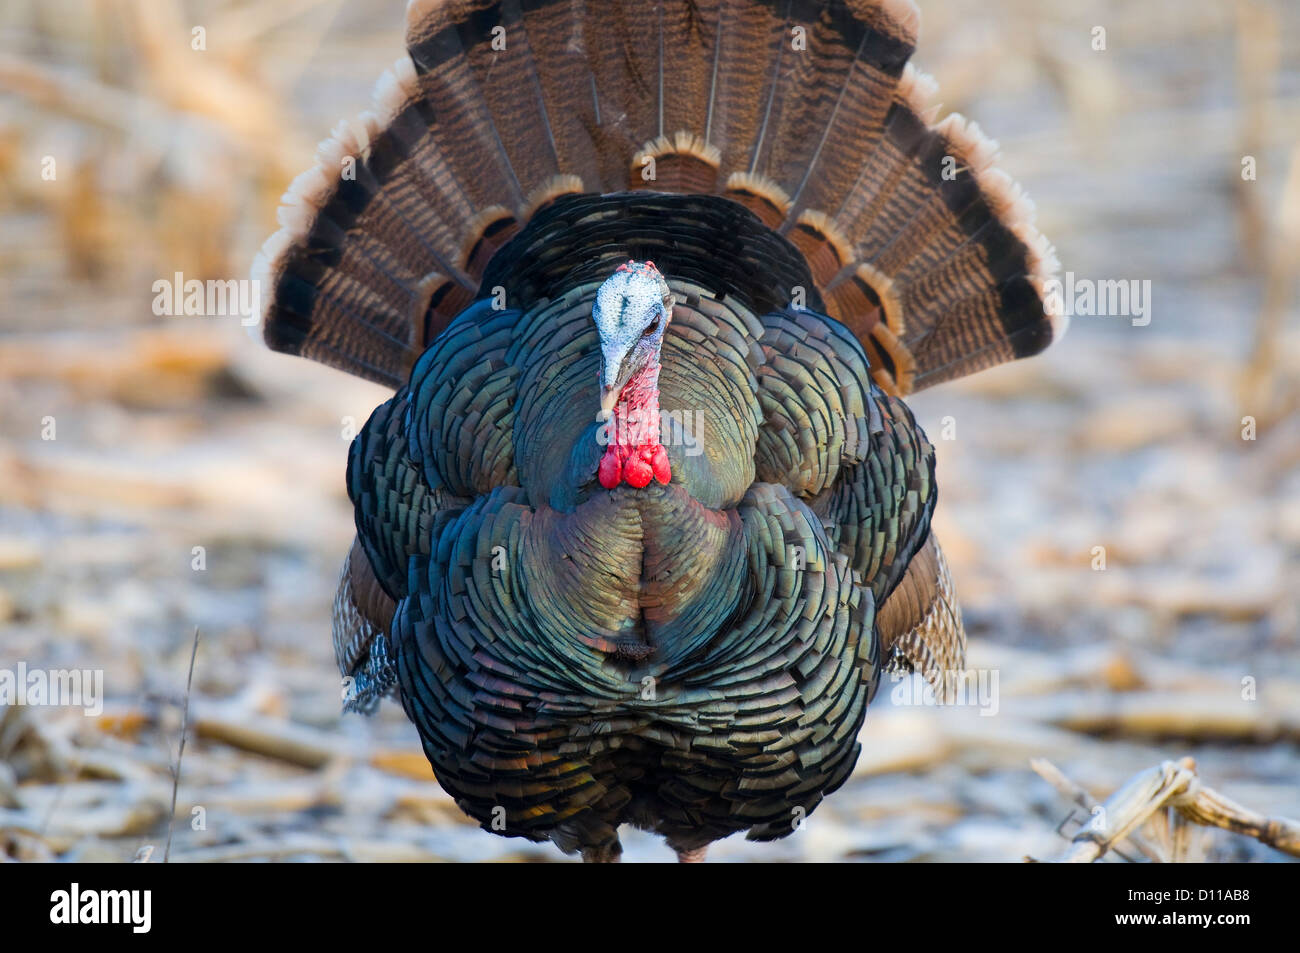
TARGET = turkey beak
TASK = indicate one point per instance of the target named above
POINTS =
(613, 375)
(609, 398)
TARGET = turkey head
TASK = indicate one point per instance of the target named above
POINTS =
(632, 311)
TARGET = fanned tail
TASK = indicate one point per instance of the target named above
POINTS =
(806, 112)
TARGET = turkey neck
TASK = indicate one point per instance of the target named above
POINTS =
(635, 422)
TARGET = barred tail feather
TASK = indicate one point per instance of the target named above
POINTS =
(807, 112)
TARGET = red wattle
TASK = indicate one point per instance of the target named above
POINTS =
(659, 464)
(610, 472)
(636, 471)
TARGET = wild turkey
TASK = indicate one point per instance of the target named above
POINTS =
(733, 224)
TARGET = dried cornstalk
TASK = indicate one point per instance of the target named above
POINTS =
(1053, 776)
(1209, 807)
(282, 741)
(1174, 786)
(1190, 716)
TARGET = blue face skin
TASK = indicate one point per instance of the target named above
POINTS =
(631, 313)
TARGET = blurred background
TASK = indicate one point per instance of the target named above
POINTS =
(1122, 514)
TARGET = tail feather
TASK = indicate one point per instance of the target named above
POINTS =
(460, 121)
(555, 36)
(749, 64)
(836, 101)
(805, 111)
(688, 39)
